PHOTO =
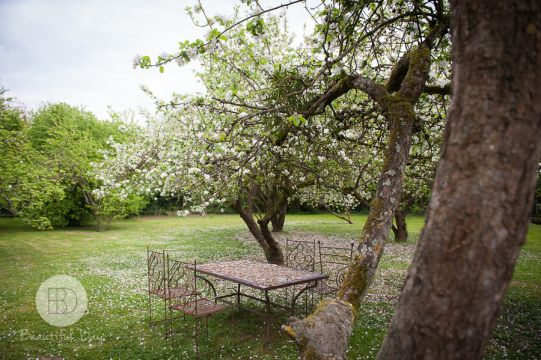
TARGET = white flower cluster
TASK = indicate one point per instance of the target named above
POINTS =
(136, 61)
(183, 213)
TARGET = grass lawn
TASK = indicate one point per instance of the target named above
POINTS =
(112, 267)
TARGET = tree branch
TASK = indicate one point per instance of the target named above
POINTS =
(438, 90)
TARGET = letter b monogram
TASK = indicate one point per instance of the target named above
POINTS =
(62, 300)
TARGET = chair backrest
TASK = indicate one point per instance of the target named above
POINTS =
(301, 254)
(335, 261)
(181, 276)
(156, 271)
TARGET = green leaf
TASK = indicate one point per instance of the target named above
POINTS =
(161, 69)
(256, 26)
(214, 33)
(296, 120)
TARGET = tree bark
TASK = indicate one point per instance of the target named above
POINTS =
(478, 215)
(400, 228)
(260, 228)
(262, 234)
(279, 219)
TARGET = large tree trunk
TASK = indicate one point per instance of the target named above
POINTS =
(400, 227)
(478, 215)
(279, 219)
(325, 333)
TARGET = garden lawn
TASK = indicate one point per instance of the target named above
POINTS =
(111, 265)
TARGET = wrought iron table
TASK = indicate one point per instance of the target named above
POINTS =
(261, 276)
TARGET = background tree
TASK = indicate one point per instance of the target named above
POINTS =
(46, 180)
(26, 185)
(189, 153)
(223, 146)
(71, 139)
(424, 155)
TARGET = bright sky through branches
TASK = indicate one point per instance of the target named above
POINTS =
(81, 52)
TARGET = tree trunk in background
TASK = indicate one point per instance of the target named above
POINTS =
(274, 252)
(279, 219)
(262, 234)
(400, 228)
(479, 212)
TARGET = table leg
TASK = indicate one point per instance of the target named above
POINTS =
(238, 296)
(268, 319)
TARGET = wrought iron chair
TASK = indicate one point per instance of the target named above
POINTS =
(333, 261)
(193, 300)
(159, 288)
(156, 274)
(301, 254)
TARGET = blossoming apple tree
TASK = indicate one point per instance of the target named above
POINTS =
(221, 149)
(367, 64)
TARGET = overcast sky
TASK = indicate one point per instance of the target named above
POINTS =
(81, 52)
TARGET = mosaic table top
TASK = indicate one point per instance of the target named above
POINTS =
(259, 275)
